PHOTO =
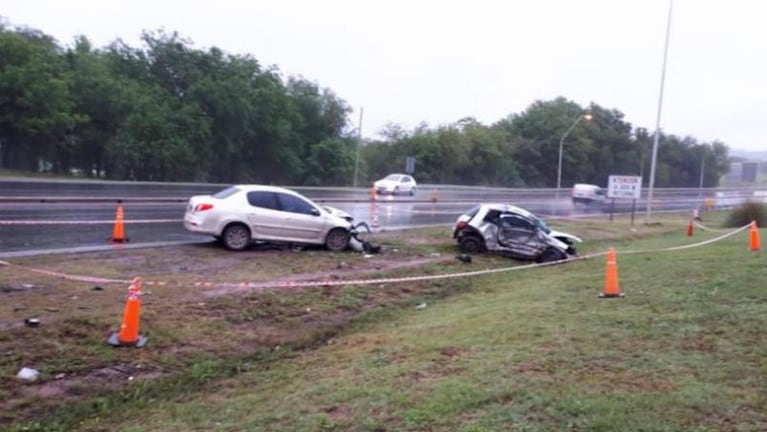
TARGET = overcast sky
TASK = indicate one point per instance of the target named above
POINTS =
(408, 61)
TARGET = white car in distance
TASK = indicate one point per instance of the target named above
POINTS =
(242, 214)
(396, 184)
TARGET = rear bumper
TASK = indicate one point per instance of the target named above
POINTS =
(195, 225)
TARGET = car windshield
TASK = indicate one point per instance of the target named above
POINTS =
(393, 177)
(541, 224)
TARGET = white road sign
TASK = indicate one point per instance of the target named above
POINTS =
(624, 187)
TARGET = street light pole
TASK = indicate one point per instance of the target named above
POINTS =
(359, 141)
(657, 119)
(561, 145)
(702, 171)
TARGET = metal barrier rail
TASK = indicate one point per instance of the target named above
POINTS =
(32, 199)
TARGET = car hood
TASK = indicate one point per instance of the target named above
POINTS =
(560, 234)
(384, 183)
(559, 243)
(338, 213)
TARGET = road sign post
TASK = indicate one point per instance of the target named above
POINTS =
(624, 187)
(410, 165)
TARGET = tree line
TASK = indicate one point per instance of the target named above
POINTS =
(167, 111)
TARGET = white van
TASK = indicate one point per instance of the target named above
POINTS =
(588, 194)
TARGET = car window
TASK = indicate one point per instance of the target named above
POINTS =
(472, 212)
(492, 216)
(263, 199)
(516, 222)
(393, 177)
(294, 204)
(226, 193)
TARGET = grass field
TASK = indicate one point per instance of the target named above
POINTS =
(524, 350)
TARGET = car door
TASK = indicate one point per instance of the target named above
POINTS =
(302, 221)
(519, 236)
(406, 184)
(264, 216)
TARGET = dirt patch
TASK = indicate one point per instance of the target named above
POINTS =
(339, 412)
(195, 307)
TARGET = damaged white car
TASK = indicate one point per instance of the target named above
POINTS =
(512, 231)
(243, 214)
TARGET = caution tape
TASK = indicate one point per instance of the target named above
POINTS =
(87, 222)
(377, 281)
(705, 228)
(691, 245)
(66, 276)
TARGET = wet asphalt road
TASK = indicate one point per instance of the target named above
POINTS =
(86, 216)
(61, 225)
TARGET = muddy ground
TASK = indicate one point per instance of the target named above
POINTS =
(200, 304)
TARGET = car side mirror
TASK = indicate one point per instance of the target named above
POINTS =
(315, 212)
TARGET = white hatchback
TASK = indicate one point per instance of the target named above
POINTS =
(395, 184)
(241, 214)
(513, 231)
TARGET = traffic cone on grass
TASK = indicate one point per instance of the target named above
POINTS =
(754, 237)
(690, 229)
(612, 288)
(118, 233)
(128, 334)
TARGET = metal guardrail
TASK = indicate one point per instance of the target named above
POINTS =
(23, 190)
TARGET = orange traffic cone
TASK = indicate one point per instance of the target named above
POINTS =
(754, 237)
(434, 195)
(690, 229)
(128, 334)
(373, 193)
(118, 234)
(612, 288)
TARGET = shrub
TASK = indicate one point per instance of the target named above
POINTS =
(747, 212)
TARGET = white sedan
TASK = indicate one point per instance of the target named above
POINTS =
(241, 214)
(395, 184)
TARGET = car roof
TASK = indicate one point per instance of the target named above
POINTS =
(268, 188)
(507, 207)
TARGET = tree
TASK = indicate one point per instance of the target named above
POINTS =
(35, 100)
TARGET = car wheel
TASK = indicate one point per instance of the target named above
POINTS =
(412, 191)
(551, 254)
(337, 240)
(471, 244)
(236, 237)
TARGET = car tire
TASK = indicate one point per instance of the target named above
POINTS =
(338, 240)
(551, 254)
(471, 244)
(412, 192)
(236, 237)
